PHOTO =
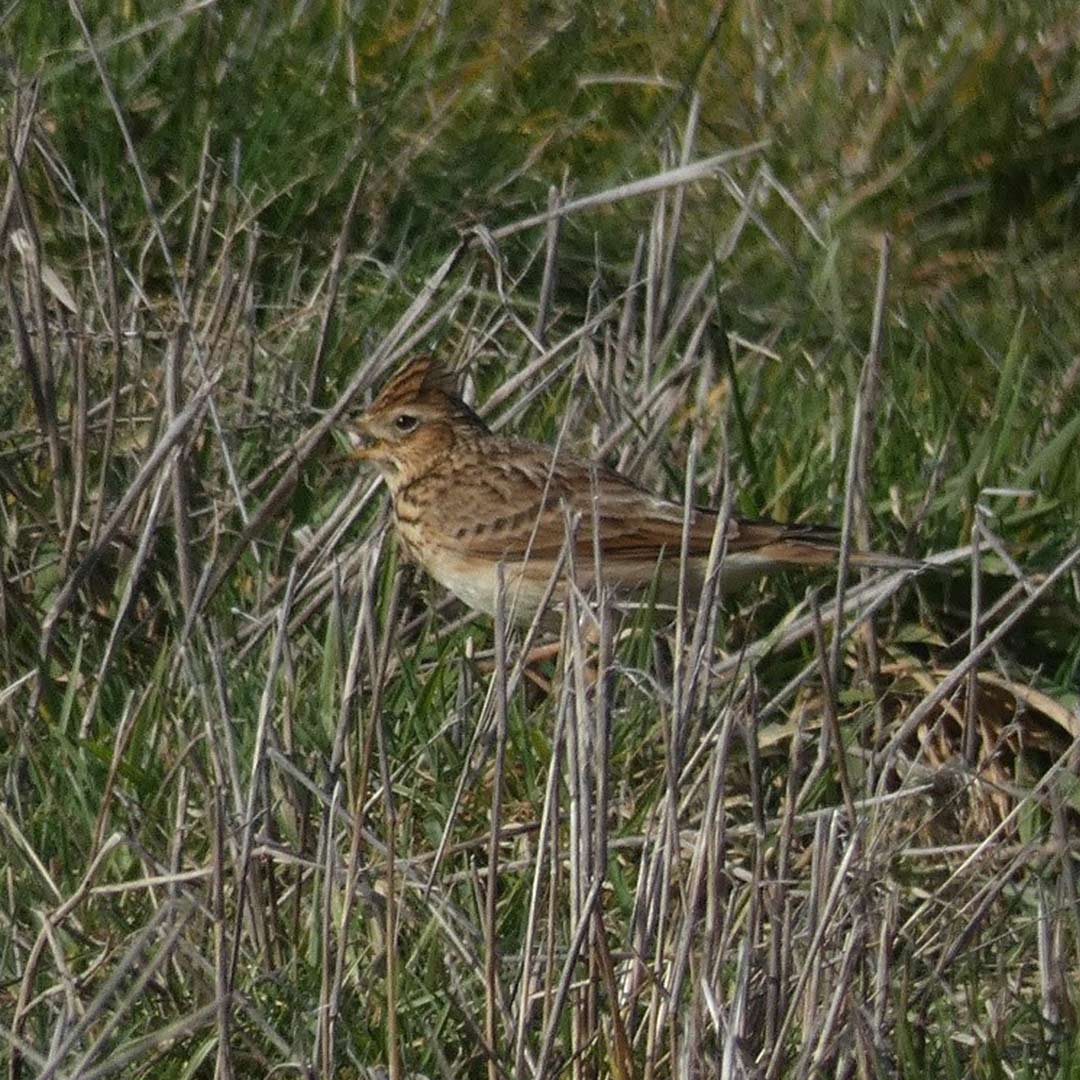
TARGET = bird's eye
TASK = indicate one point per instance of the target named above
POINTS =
(404, 422)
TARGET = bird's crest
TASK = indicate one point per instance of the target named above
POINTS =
(425, 381)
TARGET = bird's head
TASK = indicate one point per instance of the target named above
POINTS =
(416, 418)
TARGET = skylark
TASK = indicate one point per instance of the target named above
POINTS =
(465, 499)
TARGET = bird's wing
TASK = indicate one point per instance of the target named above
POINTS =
(533, 505)
(540, 503)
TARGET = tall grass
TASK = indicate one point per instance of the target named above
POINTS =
(271, 802)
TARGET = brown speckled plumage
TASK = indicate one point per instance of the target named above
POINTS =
(465, 499)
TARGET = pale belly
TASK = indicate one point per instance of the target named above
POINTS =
(475, 582)
(477, 586)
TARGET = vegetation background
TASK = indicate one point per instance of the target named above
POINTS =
(271, 805)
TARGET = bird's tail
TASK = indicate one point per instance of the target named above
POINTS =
(818, 545)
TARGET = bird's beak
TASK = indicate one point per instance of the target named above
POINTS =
(362, 439)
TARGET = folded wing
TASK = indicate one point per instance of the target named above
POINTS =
(596, 505)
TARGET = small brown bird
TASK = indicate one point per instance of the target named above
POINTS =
(466, 499)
